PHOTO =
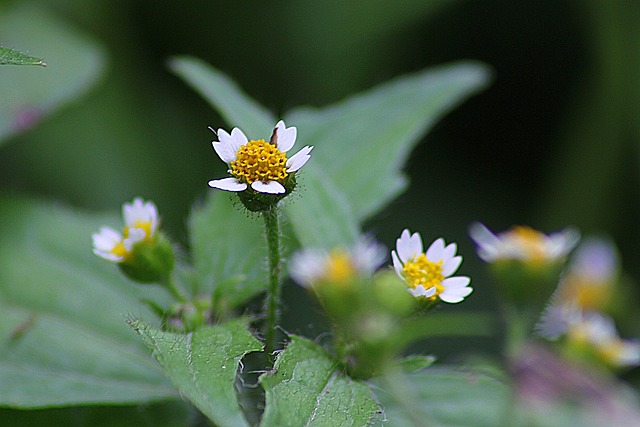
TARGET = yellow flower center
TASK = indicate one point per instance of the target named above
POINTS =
(259, 160)
(339, 267)
(530, 241)
(120, 250)
(421, 271)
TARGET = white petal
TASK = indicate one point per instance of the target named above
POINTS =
(299, 159)
(271, 187)
(449, 252)
(140, 212)
(135, 235)
(284, 137)
(450, 267)
(397, 265)
(238, 139)
(108, 256)
(420, 291)
(228, 184)
(409, 246)
(434, 253)
(488, 243)
(225, 151)
(456, 282)
(106, 239)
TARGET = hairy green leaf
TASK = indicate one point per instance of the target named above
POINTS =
(203, 365)
(306, 389)
(14, 57)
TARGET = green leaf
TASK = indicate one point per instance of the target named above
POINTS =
(203, 365)
(63, 335)
(442, 397)
(362, 143)
(305, 389)
(173, 414)
(228, 250)
(237, 108)
(14, 57)
(74, 63)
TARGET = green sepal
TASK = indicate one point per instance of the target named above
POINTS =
(255, 201)
(149, 261)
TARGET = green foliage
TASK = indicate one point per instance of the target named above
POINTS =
(306, 388)
(374, 131)
(443, 397)
(14, 57)
(203, 365)
(226, 255)
(63, 337)
(29, 94)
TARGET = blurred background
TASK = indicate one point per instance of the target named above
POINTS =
(552, 142)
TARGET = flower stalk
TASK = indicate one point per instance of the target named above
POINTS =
(272, 226)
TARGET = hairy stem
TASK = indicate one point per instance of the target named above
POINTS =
(275, 286)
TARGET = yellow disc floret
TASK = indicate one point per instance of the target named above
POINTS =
(423, 272)
(259, 160)
(339, 267)
(530, 242)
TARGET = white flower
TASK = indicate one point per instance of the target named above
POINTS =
(427, 274)
(600, 332)
(522, 244)
(141, 222)
(262, 165)
(311, 266)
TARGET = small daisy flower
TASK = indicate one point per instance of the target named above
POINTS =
(522, 244)
(312, 266)
(258, 164)
(592, 273)
(599, 331)
(428, 273)
(141, 222)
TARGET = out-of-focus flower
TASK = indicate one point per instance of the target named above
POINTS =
(339, 266)
(523, 244)
(257, 164)
(589, 280)
(427, 274)
(599, 332)
(140, 224)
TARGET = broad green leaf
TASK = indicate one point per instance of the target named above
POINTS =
(74, 62)
(14, 57)
(306, 389)
(237, 109)
(173, 414)
(63, 335)
(203, 365)
(442, 397)
(228, 250)
(362, 143)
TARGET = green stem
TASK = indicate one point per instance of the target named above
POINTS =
(275, 286)
(170, 284)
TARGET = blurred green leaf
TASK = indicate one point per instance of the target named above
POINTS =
(305, 389)
(173, 414)
(74, 64)
(442, 397)
(228, 251)
(63, 335)
(236, 107)
(14, 57)
(203, 365)
(361, 144)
